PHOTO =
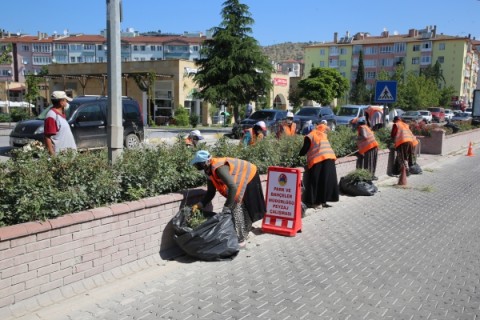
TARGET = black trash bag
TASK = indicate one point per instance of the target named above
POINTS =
(357, 188)
(415, 169)
(215, 239)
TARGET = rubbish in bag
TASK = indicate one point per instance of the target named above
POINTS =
(357, 188)
(415, 169)
(214, 239)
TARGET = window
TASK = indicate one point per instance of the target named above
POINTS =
(39, 60)
(79, 59)
(25, 48)
(426, 46)
(322, 52)
(343, 51)
(400, 47)
(357, 48)
(416, 47)
(42, 47)
(342, 63)
(333, 51)
(385, 62)
(386, 49)
(159, 48)
(441, 46)
(76, 47)
(322, 64)
(90, 113)
(153, 48)
(370, 75)
(135, 48)
(369, 63)
(142, 48)
(441, 59)
(100, 59)
(130, 112)
(415, 60)
(89, 47)
(99, 47)
(355, 62)
(332, 63)
(60, 46)
(426, 60)
(195, 48)
(370, 50)
(72, 59)
(89, 59)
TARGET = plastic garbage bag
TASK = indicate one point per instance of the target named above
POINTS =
(214, 239)
(415, 169)
(357, 188)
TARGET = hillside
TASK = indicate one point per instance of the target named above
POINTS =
(285, 51)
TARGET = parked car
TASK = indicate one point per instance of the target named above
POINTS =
(426, 115)
(87, 117)
(316, 114)
(448, 114)
(349, 112)
(270, 116)
(438, 114)
(411, 116)
(462, 116)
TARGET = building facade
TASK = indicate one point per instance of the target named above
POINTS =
(458, 57)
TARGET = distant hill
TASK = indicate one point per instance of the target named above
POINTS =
(285, 51)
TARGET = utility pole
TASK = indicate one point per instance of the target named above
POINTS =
(114, 71)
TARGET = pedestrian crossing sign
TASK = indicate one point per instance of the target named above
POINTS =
(386, 91)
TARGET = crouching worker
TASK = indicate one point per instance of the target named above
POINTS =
(239, 182)
(193, 138)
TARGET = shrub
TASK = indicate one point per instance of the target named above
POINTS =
(5, 117)
(181, 116)
(194, 120)
(19, 114)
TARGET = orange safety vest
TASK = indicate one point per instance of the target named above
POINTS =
(322, 128)
(404, 134)
(290, 130)
(242, 173)
(366, 139)
(320, 148)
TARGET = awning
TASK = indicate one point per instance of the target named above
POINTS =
(16, 86)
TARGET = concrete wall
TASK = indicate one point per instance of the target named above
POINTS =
(441, 144)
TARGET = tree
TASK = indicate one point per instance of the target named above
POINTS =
(435, 73)
(359, 93)
(33, 91)
(323, 85)
(233, 69)
(6, 56)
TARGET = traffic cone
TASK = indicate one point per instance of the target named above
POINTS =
(402, 180)
(470, 152)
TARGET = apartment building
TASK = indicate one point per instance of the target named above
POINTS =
(417, 49)
(31, 53)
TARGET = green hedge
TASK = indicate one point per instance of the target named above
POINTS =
(34, 186)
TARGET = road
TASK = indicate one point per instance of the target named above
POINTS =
(405, 253)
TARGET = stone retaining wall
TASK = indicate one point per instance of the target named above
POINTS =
(41, 257)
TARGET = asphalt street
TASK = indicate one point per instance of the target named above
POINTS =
(408, 252)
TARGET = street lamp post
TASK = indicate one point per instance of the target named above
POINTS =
(7, 87)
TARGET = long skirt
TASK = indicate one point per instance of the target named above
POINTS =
(405, 153)
(321, 184)
(368, 161)
(251, 209)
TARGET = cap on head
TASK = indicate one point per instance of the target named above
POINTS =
(201, 156)
(289, 114)
(323, 122)
(58, 95)
(196, 133)
(396, 118)
(261, 124)
(361, 121)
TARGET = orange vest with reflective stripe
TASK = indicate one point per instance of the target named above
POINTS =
(322, 127)
(320, 148)
(366, 139)
(241, 171)
(404, 134)
(290, 130)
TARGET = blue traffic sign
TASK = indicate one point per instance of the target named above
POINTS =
(386, 91)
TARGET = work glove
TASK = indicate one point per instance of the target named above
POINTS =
(197, 206)
(226, 210)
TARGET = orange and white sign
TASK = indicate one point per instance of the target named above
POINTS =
(283, 200)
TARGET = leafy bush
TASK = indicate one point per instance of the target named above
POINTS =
(5, 117)
(19, 114)
(194, 119)
(181, 116)
(343, 141)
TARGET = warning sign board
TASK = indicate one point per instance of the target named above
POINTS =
(283, 202)
(386, 91)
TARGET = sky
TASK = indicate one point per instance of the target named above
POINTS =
(276, 21)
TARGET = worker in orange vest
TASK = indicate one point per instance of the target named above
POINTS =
(289, 128)
(193, 138)
(405, 143)
(255, 134)
(320, 176)
(367, 148)
(239, 182)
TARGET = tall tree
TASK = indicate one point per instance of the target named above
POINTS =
(5, 55)
(33, 90)
(323, 85)
(233, 69)
(359, 93)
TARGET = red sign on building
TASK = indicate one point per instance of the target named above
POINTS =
(281, 82)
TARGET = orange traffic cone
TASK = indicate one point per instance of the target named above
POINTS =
(402, 180)
(470, 152)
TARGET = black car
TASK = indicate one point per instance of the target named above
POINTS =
(316, 114)
(87, 117)
(270, 116)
